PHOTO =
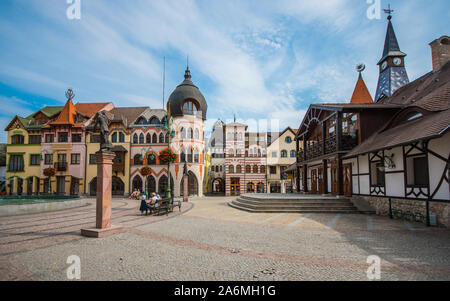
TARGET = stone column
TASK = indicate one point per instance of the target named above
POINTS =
(104, 198)
(283, 186)
(185, 188)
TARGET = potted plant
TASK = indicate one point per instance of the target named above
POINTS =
(146, 171)
(167, 156)
(49, 172)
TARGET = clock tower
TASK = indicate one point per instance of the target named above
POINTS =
(392, 65)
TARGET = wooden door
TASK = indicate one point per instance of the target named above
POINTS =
(320, 180)
(314, 181)
(334, 181)
(235, 187)
(347, 169)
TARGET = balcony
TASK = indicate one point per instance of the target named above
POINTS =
(328, 146)
(61, 166)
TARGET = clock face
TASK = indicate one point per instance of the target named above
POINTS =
(384, 65)
(397, 61)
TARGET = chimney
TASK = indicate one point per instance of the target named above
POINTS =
(440, 52)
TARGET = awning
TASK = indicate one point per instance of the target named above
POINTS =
(291, 168)
(119, 148)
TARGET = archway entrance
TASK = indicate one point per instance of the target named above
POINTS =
(162, 186)
(192, 184)
(93, 187)
(118, 187)
(137, 183)
(218, 186)
(151, 184)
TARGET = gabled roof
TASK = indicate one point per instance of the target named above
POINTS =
(48, 111)
(126, 114)
(361, 94)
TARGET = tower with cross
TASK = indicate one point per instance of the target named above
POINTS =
(392, 64)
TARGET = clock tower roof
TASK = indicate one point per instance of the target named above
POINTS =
(391, 46)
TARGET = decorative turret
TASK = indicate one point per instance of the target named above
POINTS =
(361, 94)
(392, 64)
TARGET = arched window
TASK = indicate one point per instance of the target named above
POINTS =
(114, 138)
(183, 133)
(259, 152)
(154, 138)
(161, 138)
(248, 169)
(196, 156)
(141, 121)
(189, 107)
(167, 137)
(190, 133)
(151, 159)
(250, 187)
(260, 188)
(255, 168)
(182, 156)
(293, 154)
(141, 139)
(288, 139)
(154, 121)
(121, 137)
(197, 134)
(231, 169)
(137, 160)
(238, 169)
(135, 139)
(148, 138)
(283, 154)
(262, 169)
(189, 155)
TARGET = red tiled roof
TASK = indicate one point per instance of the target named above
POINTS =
(361, 94)
(90, 109)
(67, 115)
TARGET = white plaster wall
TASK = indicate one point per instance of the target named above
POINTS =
(436, 166)
(364, 184)
(364, 164)
(398, 158)
(395, 185)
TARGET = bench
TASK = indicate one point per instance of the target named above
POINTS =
(165, 205)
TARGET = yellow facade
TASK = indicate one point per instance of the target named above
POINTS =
(275, 158)
(16, 176)
(91, 169)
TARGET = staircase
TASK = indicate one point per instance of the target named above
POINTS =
(293, 203)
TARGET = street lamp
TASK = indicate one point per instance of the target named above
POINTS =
(168, 127)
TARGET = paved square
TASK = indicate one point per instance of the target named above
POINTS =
(209, 240)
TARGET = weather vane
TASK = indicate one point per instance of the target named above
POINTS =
(389, 11)
(70, 95)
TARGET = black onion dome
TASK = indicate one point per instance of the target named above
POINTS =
(187, 91)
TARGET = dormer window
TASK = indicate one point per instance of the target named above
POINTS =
(414, 116)
(189, 107)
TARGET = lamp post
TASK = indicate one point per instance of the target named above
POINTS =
(143, 153)
(170, 134)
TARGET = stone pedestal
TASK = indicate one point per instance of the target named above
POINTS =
(103, 225)
(283, 186)
(185, 188)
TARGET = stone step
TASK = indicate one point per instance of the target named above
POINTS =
(303, 210)
(295, 206)
(295, 202)
(288, 199)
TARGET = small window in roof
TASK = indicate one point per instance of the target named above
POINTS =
(413, 116)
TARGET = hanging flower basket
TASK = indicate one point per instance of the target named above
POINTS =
(49, 172)
(167, 156)
(145, 171)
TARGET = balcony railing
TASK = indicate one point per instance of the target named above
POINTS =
(61, 166)
(328, 146)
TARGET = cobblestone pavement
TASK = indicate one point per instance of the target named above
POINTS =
(213, 241)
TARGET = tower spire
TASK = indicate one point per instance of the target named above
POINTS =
(187, 74)
(392, 63)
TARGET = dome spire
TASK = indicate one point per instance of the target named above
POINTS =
(187, 73)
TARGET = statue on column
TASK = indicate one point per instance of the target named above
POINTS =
(101, 123)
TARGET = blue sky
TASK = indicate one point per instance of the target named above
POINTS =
(253, 58)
